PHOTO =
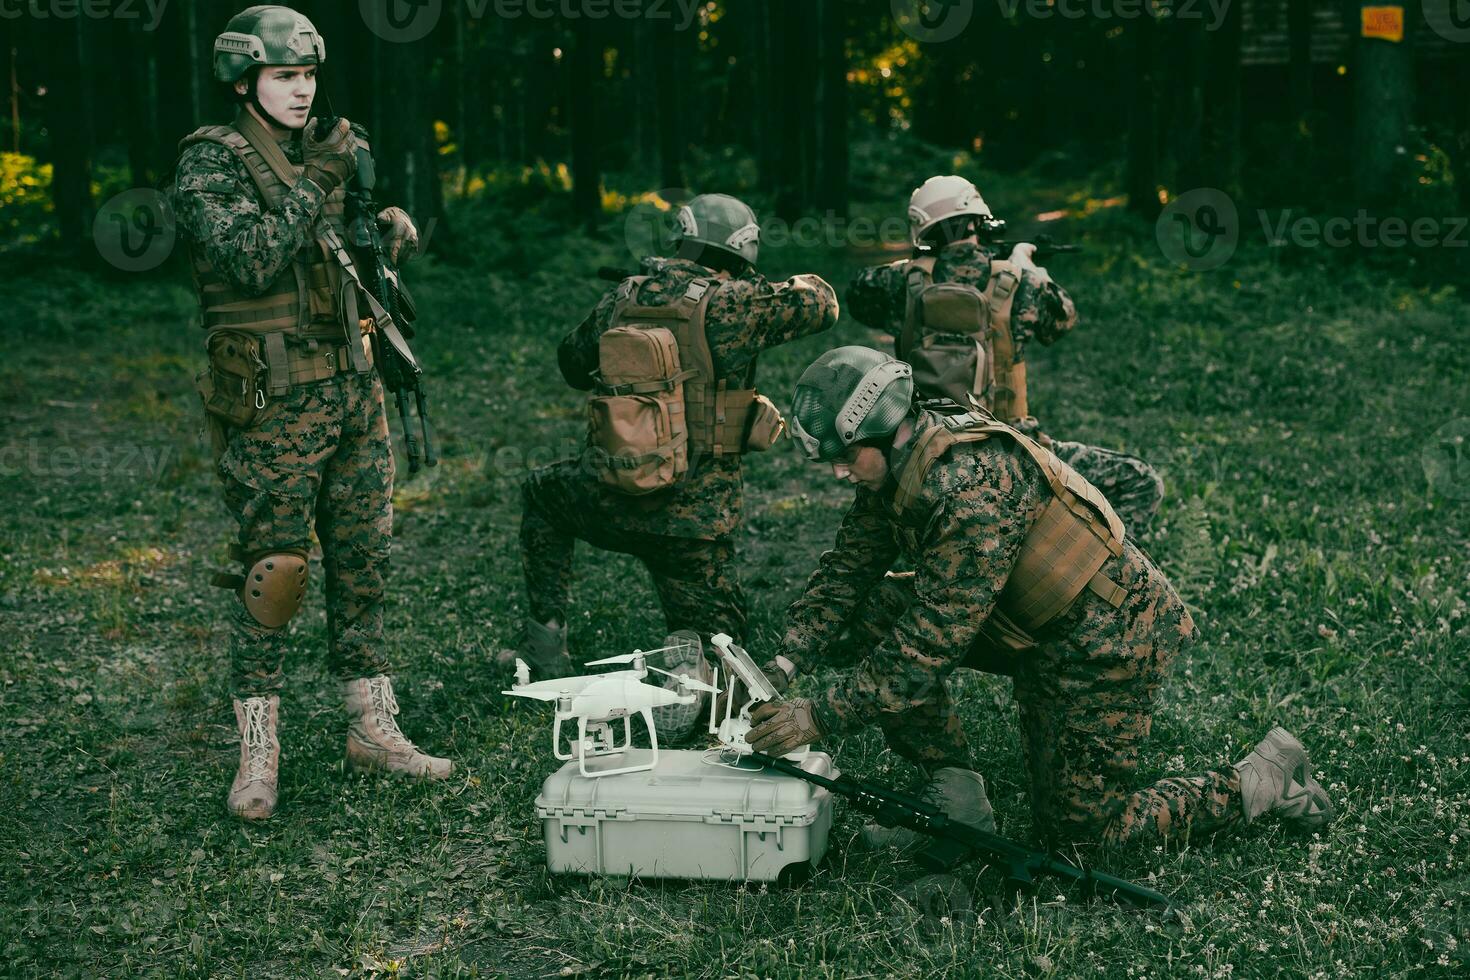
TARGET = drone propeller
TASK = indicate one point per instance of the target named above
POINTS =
(687, 682)
(622, 658)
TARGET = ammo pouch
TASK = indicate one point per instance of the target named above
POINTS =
(233, 387)
(766, 425)
(637, 432)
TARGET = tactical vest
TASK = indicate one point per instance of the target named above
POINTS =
(657, 404)
(958, 340)
(1066, 548)
(317, 299)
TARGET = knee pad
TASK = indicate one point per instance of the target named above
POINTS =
(274, 588)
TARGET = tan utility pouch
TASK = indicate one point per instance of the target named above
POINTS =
(637, 434)
(233, 387)
(766, 425)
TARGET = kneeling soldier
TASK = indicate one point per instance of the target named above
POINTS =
(295, 408)
(962, 317)
(1001, 534)
(669, 359)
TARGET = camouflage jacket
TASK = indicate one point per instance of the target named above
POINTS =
(218, 207)
(745, 316)
(961, 535)
(878, 296)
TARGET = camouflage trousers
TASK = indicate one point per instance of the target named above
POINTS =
(319, 456)
(1133, 487)
(1085, 699)
(694, 579)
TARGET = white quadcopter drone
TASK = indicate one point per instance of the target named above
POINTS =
(598, 700)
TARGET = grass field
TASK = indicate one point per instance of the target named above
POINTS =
(1291, 400)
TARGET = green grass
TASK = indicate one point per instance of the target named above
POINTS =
(1288, 402)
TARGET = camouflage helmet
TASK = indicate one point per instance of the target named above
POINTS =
(939, 198)
(266, 35)
(720, 221)
(847, 395)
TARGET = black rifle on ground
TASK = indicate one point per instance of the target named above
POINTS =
(395, 361)
(957, 842)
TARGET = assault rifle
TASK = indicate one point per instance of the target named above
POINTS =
(957, 842)
(1046, 246)
(396, 363)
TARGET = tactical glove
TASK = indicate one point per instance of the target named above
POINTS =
(783, 726)
(399, 234)
(1024, 256)
(331, 160)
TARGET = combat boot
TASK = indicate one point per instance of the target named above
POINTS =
(1276, 778)
(373, 738)
(960, 793)
(253, 793)
(684, 655)
(544, 649)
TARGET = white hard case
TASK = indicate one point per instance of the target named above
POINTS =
(686, 818)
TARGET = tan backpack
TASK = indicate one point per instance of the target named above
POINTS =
(656, 403)
(958, 340)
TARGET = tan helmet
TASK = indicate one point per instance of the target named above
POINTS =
(939, 198)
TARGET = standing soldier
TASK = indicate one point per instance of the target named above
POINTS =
(990, 520)
(295, 409)
(670, 360)
(963, 317)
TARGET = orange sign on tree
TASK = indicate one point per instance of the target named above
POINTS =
(1384, 23)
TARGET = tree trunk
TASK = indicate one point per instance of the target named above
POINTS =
(69, 121)
(1143, 157)
(1220, 164)
(1185, 95)
(585, 71)
(670, 136)
(1383, 98)
(831, 180)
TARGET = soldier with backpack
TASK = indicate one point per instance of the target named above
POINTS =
(669, 361)
(962, 317)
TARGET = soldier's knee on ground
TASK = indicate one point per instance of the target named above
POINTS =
(274, 587)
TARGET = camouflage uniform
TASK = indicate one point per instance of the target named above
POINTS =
(682, 535)
(319, 456)
(1085, 693)
(1043, 311)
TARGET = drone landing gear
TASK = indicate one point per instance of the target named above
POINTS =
(596, 740)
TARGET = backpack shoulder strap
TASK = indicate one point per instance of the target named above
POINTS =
(933, 443)
(918, 276)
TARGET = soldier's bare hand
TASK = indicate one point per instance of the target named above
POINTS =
(331, 160)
